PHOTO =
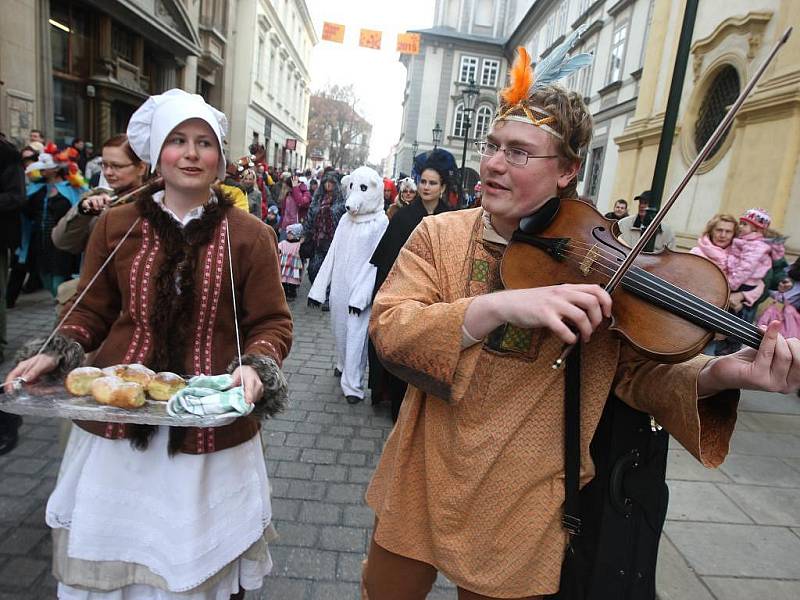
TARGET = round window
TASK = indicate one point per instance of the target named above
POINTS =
(722, 92)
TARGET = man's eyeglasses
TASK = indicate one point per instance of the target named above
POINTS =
(513, 156)
(114, 166)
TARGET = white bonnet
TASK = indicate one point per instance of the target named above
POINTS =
(159, 115)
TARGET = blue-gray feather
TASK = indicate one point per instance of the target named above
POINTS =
(557, 66)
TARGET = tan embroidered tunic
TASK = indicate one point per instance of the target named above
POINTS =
(471, 477)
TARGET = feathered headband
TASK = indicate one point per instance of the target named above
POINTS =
(524, 81)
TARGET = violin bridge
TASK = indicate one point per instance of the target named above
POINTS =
(588, 261)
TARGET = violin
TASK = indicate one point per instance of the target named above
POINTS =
(668, 305)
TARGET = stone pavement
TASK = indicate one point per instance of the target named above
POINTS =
(731, 534)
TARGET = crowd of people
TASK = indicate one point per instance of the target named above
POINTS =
(196, 276)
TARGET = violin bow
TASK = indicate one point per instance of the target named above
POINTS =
(652, 229)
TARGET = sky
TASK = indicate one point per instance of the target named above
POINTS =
(378, 76)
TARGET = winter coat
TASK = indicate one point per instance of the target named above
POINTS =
(749, 260)
(295, 205)
(706, 248)
(254, 201)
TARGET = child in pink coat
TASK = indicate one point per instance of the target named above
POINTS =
(291, 263)
(778, 308)
(750, 258)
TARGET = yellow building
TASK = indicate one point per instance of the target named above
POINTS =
(757, 162)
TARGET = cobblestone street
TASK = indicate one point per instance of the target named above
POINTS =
(731, 533)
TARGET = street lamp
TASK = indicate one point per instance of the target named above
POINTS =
(414, 148)
(437, 136)
(469, 95)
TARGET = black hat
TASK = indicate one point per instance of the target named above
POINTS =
(645, 196)
(439, 160)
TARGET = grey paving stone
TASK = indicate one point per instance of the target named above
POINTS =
(300, 440)
(349, 566)
(336, 591)
(322, 418)
(682, 465)
(727, 550)
(330, 442)
(307, 563)
(282, 453)
(21, 572)
(737, 588)
(760, 470)
(345, 492)
(347, 539)
(273, 438)
(285, 587)
(767, 505)
(764, 402)
(297, 534)
(370, 432)
(359, 516)
(675, 580)
(775, 423)
(280, 425)
(330, 473)
(321, 513)
(284, 509)
(320, 457)
(352, 458)
(18, 485)
(341, 430)
(312, 428)
(26, 466)
(295, 470)
(306, 490)
(360, 474)
(359, 445)
(13, 510)
(701, 501)
(22, 540)
(766, 444)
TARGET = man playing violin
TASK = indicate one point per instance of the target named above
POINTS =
(471, 480)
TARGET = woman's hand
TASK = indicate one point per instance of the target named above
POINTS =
(31, 369)
(95, 204)
(583, 306)
(247, 377)
(774, 367)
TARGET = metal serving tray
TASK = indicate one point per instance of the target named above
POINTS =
(51, 399)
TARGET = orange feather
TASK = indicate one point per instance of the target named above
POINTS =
(520, 79)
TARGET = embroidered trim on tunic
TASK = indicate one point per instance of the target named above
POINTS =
(134, 295)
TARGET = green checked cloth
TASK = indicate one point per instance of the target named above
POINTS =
(209, 395)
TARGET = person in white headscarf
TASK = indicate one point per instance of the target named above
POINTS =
(142, 511)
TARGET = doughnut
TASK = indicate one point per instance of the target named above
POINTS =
(164, 385)
(135, 372)
(79, 381)
(117, 392)
(138, 374)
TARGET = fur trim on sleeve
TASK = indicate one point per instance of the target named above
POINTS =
(69, 353)
(275, 395)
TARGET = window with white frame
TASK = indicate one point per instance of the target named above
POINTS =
(583, 5)
(469, 69)
(617, 52)
(489, 72)
(483, 117)
(561, 18)
(459, 122)
(260, 61)
(550, 30)
(584, 77)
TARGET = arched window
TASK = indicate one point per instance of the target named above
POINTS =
(722, 92)
(459, 129)
(483, 117)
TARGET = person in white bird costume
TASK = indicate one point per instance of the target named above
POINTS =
(351, 276)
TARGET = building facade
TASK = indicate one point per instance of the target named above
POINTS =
(465, 43)
(757, 162)
(270, 82)
(79, 68)
(478, 39)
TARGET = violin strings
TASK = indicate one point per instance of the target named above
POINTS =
(697, 307)
(739, 326)
(735, 325)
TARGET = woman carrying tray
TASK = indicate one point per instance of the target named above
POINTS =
(171, 512)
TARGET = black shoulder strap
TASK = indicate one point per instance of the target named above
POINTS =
(572, 442)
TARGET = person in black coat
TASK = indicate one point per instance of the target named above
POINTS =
(12, 199)
(436, 180)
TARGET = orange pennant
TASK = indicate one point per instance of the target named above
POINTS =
(408, 43)
(333, 32)
(370, 39)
